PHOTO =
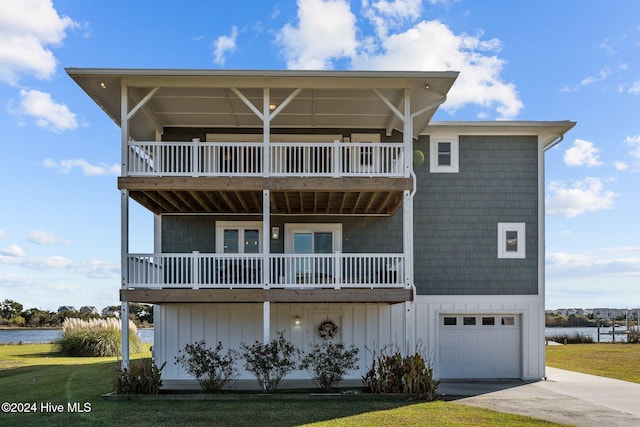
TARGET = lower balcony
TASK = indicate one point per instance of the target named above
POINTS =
(198, 277)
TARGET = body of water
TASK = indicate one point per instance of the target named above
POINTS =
(605, 335)
(37, 336)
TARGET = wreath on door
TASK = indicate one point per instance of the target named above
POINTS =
(327, 329)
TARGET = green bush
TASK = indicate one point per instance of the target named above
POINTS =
(96, 337)
(271, 362)
(212, 369)
(395, 373)
(327, 363)
(142, 377)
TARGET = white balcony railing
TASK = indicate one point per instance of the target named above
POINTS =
(225, 271)
(247, 159)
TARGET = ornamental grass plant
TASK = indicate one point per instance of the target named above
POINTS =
(95, 338)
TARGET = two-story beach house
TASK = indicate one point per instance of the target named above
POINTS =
(283, 199)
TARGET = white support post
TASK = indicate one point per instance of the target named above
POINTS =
(266, 322)
(407, 214)
(124, 223)
(266, 132)
(266, 238)
(124, 274)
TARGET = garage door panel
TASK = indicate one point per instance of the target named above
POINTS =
(485, 347)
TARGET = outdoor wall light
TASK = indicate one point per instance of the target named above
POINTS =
(275, 233)
(297, 321)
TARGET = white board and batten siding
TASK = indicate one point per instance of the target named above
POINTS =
(367, 326)
(510, 348)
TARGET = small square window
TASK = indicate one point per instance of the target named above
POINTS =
(488, 321)
(469, 321)
(450, 321)
(511, 240)
(443, 153)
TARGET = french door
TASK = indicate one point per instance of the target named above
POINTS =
(314, 246)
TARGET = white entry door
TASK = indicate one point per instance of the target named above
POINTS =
(478, 346)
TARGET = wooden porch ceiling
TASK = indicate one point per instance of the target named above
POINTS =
(344, 196)
(160, 296)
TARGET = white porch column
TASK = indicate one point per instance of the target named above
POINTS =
(407, 218)
(266, 322)
(266, 131)
(266, 239)
(124, 224)
(124, 270)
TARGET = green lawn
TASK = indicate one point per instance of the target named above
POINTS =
(33, 374)
(620, 361)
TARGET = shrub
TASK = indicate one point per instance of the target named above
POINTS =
(573, 338)
(271, 362)
(633, 337)
(95, 337)
(329, 362)
(142, 377)
(395, 373)
(212, 369)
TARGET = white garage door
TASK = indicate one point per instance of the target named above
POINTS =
(479, 346)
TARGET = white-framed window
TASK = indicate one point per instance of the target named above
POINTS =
(511, 240)
(239, 237)
(313, 238)
(444, 154)
(314, 246)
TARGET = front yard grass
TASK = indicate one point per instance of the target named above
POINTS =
(34, 374)
(619, 361)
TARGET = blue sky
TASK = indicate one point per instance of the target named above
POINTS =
(536, 60)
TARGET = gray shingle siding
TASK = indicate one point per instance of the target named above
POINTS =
(456, 217)
(455, 221)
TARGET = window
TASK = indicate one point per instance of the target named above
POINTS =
(488, 321)
(511, 240)
(508, 321)
(444, 154)
(450, 321)
(314, 246)
(469, 321)
(238, 237)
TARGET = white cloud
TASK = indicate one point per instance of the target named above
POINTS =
(583, 196)
(582, 153)
(604, 73)
(47, 113)
(325, 31)
(611, 261)
(93, 269)
(224, 44)
(66, 166)
(13, 251)
(27, 29)
(384, 14)
(621, 166)
(431, 45)
(634, 143)
(3, 234)
(635, 88)
(44, 238)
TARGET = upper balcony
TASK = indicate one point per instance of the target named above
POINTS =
(337, 178)
(247, 159)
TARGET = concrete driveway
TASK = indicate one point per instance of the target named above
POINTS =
(565, 397)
